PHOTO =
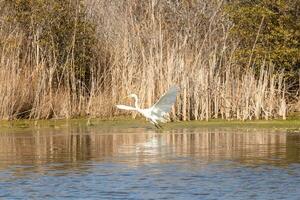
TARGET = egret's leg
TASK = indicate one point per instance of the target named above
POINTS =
(156, 125)
(160, 126)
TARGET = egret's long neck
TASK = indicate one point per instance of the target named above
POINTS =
(136, 102)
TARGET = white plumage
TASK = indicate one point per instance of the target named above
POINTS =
(157, 113)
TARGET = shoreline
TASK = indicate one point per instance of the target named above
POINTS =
(123, 123)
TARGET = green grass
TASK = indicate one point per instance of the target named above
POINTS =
(124, 123)
(295, 123)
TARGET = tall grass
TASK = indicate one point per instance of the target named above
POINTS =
(143, 47)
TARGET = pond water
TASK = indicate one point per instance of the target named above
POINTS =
(82, 162)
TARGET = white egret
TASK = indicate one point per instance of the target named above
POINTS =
(157, 113)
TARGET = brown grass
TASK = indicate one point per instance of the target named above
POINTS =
(145, 47)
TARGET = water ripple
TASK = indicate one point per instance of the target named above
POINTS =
(185, 164)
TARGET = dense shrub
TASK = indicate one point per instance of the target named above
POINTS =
(60, 29)
(267, 30)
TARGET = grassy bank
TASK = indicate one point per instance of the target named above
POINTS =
(126, 123)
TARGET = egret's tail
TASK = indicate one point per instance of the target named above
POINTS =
(123, 107)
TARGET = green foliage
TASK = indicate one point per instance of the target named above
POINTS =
(61, 30)
(267, 30)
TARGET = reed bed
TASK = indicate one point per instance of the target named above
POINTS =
(143, 47)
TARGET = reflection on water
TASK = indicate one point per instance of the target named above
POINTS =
(208, 157)
(73, 146)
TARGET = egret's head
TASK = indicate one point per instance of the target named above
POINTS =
(132, 96)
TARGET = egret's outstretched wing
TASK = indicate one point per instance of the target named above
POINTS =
(123, 107)
(167, 100)
(164, 104)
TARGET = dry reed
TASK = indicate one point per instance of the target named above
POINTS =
(145, 49)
